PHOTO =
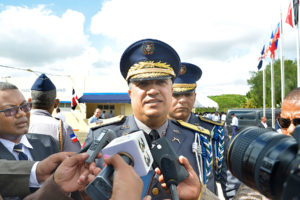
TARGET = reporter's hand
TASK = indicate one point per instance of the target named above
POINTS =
(189, 188)
(72, 174)
(126, 184)
(47, 166)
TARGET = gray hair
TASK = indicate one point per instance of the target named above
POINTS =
(7, 86)
(43, 99)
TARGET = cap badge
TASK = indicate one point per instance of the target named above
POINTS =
(148, 48)
(182, 70)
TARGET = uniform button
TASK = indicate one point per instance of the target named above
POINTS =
(155, 191)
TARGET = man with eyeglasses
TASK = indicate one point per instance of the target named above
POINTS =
(15, 141)
(44, 101)
(290, 112)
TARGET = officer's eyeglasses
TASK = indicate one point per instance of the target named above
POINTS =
(285, 123)
(14, 110)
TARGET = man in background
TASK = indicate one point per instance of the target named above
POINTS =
(234, 124)
(96, 117)
(44, 101)
(59, 115)
(263, 122)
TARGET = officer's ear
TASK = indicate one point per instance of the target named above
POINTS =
(194, 96)
(56, 103)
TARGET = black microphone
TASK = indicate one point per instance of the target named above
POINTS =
(167, 160)
(134, 149)
(104, 138)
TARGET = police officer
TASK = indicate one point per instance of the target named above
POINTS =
(43, 98)
(149, 66)
(183, 100)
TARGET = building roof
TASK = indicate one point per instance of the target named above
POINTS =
(105, 98)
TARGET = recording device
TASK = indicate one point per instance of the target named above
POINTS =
(134, 150)
(105, 137)
(267, 161)
(167, 160)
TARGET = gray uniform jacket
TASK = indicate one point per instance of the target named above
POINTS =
(41, 122)
(180, 137)
(229, 183)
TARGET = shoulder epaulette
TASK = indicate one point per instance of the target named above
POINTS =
(220, 123)
(106, 122)
(193, 127)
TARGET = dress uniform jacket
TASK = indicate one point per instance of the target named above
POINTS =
(180, 137)
(229, 183)
(41, 122)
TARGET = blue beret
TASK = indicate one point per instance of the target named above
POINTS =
(43, 83)
(149, 59)
(186, 80)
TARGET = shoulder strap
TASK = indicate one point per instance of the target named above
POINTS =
(219, 123)
(194, 127)
(106, 122)
(60, 136)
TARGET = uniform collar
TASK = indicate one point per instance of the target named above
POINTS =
(161, 130)
(10, 145)
(40, 112)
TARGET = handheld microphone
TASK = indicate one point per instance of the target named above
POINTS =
(134, 150)
(104, 138)
(166, 158)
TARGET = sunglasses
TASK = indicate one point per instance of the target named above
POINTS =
(285, 123)
(14, 110)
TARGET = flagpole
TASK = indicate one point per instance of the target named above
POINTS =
(298, 61)
(264, 91)
(282, 61)
(272, 93)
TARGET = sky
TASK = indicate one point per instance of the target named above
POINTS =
(80, 38)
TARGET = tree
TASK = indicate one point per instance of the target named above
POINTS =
(255, 95)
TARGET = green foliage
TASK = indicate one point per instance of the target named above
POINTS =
(229, 101)
(255, 95)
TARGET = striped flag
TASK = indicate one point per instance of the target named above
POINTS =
(74, 101)
(261, 58)
(289, 16)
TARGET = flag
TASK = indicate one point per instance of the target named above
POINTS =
(296, 8)
(262, 56)
(73, 137)
(74, 101)
(289, 16)
(274, 41)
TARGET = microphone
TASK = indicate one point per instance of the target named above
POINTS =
(104, 138)
(134, 150)
(167, 160)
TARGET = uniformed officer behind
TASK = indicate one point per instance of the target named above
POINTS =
(183, 100)
(149, 66)
(43, 98)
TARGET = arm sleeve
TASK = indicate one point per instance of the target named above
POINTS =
(49, 190)
(69, 144)
(14, 177)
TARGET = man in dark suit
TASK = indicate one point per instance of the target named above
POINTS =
(15, 142)
(263, 122)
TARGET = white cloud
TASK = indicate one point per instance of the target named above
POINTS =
(224, 38)
(34, 36)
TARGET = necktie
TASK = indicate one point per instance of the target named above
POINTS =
(154, 135)
(21, 154)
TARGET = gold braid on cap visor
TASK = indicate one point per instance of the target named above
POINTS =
(147, 69)
(184, 87)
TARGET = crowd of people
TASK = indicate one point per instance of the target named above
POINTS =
(38, 158)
